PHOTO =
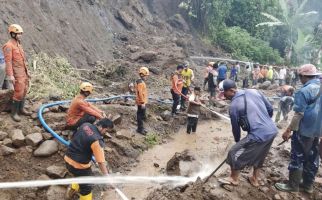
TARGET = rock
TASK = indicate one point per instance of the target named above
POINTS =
(133, 48)
(56, 192)
(47, 136)
(18, 139)
(7, 142)
(155, 70)
(34, 139)
(125, 19)
(177, 21)
(156, 165)
(15, 131)
(29, 149)
(166, 115)
(47, 148)
(173, 165)
(43, 177)
(265, 85)
(34, 116)
(56, 171)
(5, 151)
(273, 87)
(117, 119)
(54, 97)
(3, 135)
(277, 197)
(146, 56)
(264, 189)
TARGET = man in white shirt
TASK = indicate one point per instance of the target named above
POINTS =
(282, 76)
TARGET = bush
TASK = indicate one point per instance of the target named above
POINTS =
(243, 46)
(52, 75)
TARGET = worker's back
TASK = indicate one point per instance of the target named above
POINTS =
(79, 149)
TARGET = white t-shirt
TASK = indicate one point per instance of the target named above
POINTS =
(282, 73)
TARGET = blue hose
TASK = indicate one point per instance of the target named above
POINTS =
(58, 103)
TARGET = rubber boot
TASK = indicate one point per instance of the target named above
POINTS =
(14, 111)
(86, 197)
(293, 182)
(72, 190)
(308, 188)
(22, 109)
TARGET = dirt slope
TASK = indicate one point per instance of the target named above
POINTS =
(86, 31)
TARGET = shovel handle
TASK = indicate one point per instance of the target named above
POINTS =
(207, 179)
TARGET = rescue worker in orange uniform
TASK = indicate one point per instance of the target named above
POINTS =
(81, 111)
(141, 93)
(86, 142)
(176, 88)
(17, 71)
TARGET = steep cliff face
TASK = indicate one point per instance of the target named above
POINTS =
(84, 31)
(87, 31)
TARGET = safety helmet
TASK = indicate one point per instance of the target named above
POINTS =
(15, 28)
(211, 63)
(86, 87)
(144, 71)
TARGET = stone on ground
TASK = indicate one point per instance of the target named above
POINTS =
(34, 139)
(56, 192)
(166, 115)
(56, 171)
(18, 139)
(7, 142)
(47, 148)
(5, 151)
(265, 85)
(3, 135)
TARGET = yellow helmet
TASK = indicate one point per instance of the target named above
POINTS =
(86, 87)
(145, 71)
(211, 63)
(15, 28)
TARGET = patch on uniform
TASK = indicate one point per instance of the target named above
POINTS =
(88, 130)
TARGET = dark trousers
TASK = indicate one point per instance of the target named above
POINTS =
(305, 156)
(85, 189)
(184, 91)
(192, 124)
(245, 83)
(140, 116)
(87, 118)
(176, 101)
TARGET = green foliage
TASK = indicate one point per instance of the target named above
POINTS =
(151, 139)
(242, 45)
(52, 75)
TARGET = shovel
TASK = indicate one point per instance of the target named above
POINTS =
(207, 178)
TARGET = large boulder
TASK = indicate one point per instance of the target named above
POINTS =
(56, 171)
(47, 148)
(146, 56)
(175, 164)
(18, 139)
(34, 139)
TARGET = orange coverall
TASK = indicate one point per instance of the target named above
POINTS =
(78, 108)
(16, 66)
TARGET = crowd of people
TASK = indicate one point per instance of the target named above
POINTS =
(249, 110)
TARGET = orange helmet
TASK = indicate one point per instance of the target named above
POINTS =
(145, 71)
(15, 28)
(86, 87)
